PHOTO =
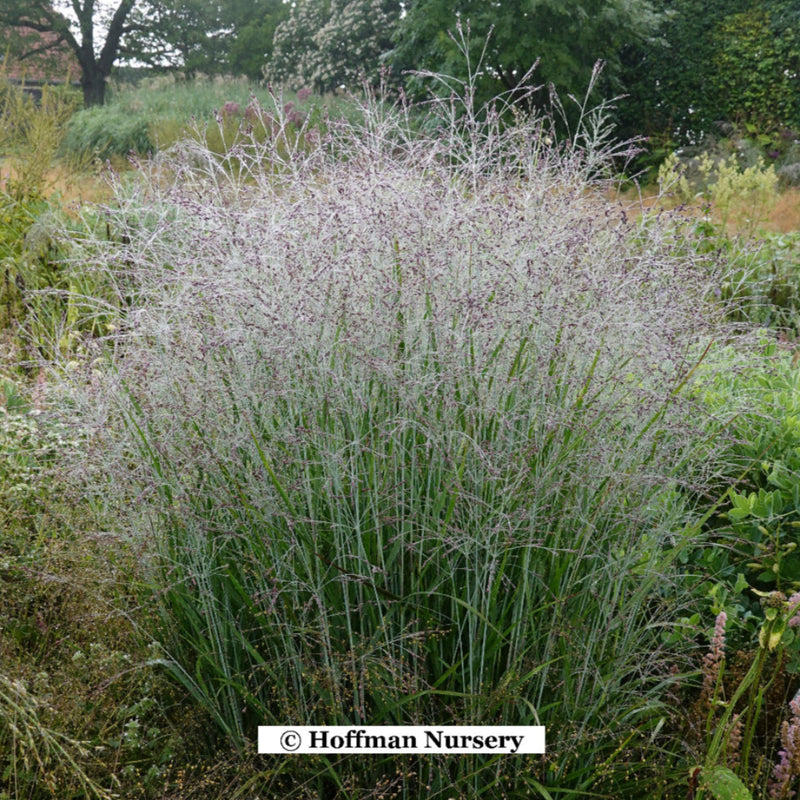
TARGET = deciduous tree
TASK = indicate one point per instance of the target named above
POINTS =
(719, 62)
(212, 36)
(253, 24)
(328, 43)
(95, 33)
(567, 37)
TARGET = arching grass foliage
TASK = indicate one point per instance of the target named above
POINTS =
(403, 419)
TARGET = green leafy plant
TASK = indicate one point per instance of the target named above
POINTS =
(775, 279)
(761, 275)
(746, 568)
(728, 770)
(29, 443)
(41, 291)
(762, 514)
(31, 135)
(726, 189)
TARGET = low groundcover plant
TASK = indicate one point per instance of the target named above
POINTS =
(400, 418)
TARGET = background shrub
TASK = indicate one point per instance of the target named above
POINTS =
(731, 204)
(31, 134)
(107, 131)
(161, 111)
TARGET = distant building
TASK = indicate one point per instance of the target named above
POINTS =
(45, 61)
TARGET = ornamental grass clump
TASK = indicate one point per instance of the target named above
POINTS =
(405, 433)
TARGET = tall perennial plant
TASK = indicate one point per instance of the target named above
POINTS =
(401, 418)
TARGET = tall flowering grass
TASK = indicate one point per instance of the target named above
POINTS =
(402, 417)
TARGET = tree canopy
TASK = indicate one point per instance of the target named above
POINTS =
(686, 66)
(566, 37)
(209, 36)
(717, 63)
(231, 36)
(325, 44)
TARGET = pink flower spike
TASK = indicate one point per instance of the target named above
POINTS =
(714, 658)
(788, 767)
(794, 610)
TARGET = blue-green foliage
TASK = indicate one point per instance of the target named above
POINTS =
(107, 131)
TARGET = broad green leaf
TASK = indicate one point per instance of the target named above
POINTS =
(741, 583)
(723, 784)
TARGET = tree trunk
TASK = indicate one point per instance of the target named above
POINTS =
(93, 83)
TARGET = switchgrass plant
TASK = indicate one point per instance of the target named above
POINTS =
(406, 434)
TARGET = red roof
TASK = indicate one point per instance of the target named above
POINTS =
(57, 63)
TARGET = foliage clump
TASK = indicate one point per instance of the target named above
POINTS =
(406, 414)
(31, 134)
(106, 131)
